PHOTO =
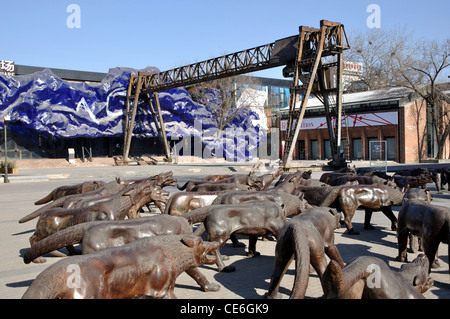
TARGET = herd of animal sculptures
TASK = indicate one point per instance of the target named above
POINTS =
(124, 255)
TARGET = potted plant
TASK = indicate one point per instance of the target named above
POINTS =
(11, 167)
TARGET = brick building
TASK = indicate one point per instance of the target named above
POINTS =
(397, 116)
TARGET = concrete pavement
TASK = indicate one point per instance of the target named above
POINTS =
(252, 275)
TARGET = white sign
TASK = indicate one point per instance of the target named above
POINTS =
(353, 67)
(350, 120)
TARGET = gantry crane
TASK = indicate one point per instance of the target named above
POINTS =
(306, 57)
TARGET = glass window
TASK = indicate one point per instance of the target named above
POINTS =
(390, 148)
(315, 149)
(357, 151)
(301, 150)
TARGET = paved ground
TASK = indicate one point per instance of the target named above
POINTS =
(252, 275)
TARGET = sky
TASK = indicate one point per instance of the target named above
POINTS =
(96, 35)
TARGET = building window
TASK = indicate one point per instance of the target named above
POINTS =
(390, 141)
(301, 150)
(315, 149)
(357, 150)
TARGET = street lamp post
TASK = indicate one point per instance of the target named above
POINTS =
(6, 119)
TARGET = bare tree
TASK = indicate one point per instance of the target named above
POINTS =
(373, 48)
(423, 73)
(393, 58)
(233, 97)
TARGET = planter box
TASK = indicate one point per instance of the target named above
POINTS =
(10, 171)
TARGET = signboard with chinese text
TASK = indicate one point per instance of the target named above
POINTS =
(7, 67)
(354, 67)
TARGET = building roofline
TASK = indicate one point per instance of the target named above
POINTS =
(72, 75)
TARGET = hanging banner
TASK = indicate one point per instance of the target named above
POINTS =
(349, 120)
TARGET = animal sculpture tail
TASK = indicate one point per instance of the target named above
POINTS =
(168, 205)
(302, 263)
(183, 186)
(56, 203)
(46, 199)
(336, 282)
(69, 236)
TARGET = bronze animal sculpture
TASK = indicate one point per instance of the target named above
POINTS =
(263, 182)
(429, 222)
(364, 180)
(291, 204)
(371, 197)
(146, 267)
(445, 177)
(65, 190)
(162, 180)
(79, 200)
(415, 243)
(182, 203)
(425, 176)
(319, 195)
(417, 193)
(307, 238)
(250, 180)
(92, 197)
(368, 277)
(254, 218)
(305, 175)
(366, 171)
(99, 235)
(289, 183)
(331, 177)
(311, 183)
(214, 178)
(412, 181)
(267, 179)
(125, 203)
(213, 187)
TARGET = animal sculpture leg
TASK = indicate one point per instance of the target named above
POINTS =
(402, 239)
(284, 254)
(252, 246)
(333, 253)
(367, 219)
(348, 216)
(387, 211)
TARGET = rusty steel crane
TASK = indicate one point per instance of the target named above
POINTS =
(306, 57)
